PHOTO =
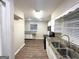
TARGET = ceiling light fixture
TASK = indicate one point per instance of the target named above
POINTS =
(38, 13)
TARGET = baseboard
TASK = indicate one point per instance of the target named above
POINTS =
(28, 39)
(33, 39)
(19, 49)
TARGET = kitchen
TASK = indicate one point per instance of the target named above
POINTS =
(39, 29)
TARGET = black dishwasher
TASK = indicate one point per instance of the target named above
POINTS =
(45, 41)
(51, 34)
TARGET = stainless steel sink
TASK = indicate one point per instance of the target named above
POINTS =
(64, 51)
(57, 45)
(68, 53)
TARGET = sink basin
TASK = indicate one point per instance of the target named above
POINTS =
(57, 45)
(67, 53)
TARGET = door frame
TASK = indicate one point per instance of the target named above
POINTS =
(7, 28)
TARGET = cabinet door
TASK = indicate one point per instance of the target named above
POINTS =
(47, 48)
(50, 52)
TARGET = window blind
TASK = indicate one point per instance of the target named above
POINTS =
(70, 26)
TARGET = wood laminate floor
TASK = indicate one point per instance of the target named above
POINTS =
(33, 49)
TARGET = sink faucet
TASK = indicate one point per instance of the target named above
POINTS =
(68, 39)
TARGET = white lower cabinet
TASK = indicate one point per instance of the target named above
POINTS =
(50, 52)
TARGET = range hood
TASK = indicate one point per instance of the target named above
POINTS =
(16, 17)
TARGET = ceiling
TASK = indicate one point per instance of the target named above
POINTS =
(27, 6)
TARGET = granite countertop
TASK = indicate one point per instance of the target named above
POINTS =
(57, 39)
(30, 32)
(54, 39)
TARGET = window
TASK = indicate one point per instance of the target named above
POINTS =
(70, 26)
(33, 27)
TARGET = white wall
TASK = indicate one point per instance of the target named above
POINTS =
(41, 28)
(0, 30)
(18, 31)
(63, 9)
